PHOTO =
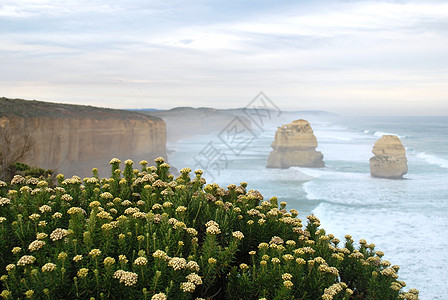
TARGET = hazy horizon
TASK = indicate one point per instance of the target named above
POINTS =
(345, 57)
(311, 111)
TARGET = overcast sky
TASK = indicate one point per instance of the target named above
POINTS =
(348, 57)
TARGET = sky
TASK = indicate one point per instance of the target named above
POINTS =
(348, 57)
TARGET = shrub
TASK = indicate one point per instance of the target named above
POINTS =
(23, 169)
(143, 234)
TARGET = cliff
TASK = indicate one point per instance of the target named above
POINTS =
(294, 145)
(390, 158)
(73, 138)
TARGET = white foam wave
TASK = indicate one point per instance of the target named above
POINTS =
(309, 191)
(380, 134)
(334, 137)
(331, 186)
(311, 172)
(434, 160)
(366, 131)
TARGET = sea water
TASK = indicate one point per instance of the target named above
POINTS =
(406, 219)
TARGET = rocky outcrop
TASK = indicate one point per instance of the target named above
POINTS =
(390, 158)
(74, 139)
(295, 145)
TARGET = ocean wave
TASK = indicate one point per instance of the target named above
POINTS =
(433, 160)
(310, 172)
(332, 136)
(363, 222)
(309, 191)
(366, 131)
(380, 134)
(331, 186)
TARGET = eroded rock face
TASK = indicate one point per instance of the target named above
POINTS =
(390, 158)
(295, 145)
(75, 145)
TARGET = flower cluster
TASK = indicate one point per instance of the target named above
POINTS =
(127, 278)
(4, 201)
(36, 245)
(48, 267)
(141, 261)
(26, 260)
(58, 234)
(177, 263)
(146, 234)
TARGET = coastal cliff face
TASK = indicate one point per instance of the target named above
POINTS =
(294, 145)
(390, 158)
(73, 142)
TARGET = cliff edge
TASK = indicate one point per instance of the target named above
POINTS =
(390, 158)
(74, 138)
(294, 145)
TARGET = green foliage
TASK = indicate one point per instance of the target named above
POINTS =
(38, 172)
(144, 234)
(25, 170)
(18, 166)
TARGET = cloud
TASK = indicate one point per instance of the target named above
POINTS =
(154, 53)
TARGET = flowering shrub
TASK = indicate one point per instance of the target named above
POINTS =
(143, 234)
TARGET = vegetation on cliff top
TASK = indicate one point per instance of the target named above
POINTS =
(143, 234)
(26, 108)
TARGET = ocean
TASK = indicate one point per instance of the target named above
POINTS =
(406, 219)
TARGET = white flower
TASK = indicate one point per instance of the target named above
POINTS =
(58, 234)
(194, 278)
(114, 161)
(193, 266)
(26, 260)
(238, 234)
(140, 261)
(4, 201)
(128, 278)
(159, 254)
(17, 180)
(45, 208)
(159, 296)
(48, 267)
(187, 287)
(36, 245)
(213, 230)
(95, 252)
(177, 263)
(181, 209)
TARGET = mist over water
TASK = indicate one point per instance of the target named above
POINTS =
(406, 219)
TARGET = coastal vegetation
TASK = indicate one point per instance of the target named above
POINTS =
(146, 234)
(20, 108)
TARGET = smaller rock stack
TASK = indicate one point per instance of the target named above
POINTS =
(295, 145)
(390, 158)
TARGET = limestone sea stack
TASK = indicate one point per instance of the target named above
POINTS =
(295, 145)
(390, 158)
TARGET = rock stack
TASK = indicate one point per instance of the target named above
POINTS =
(390, 158)
(295, 145)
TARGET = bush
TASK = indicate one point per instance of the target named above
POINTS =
(23, 169)
(18, 166)
(143, 234)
